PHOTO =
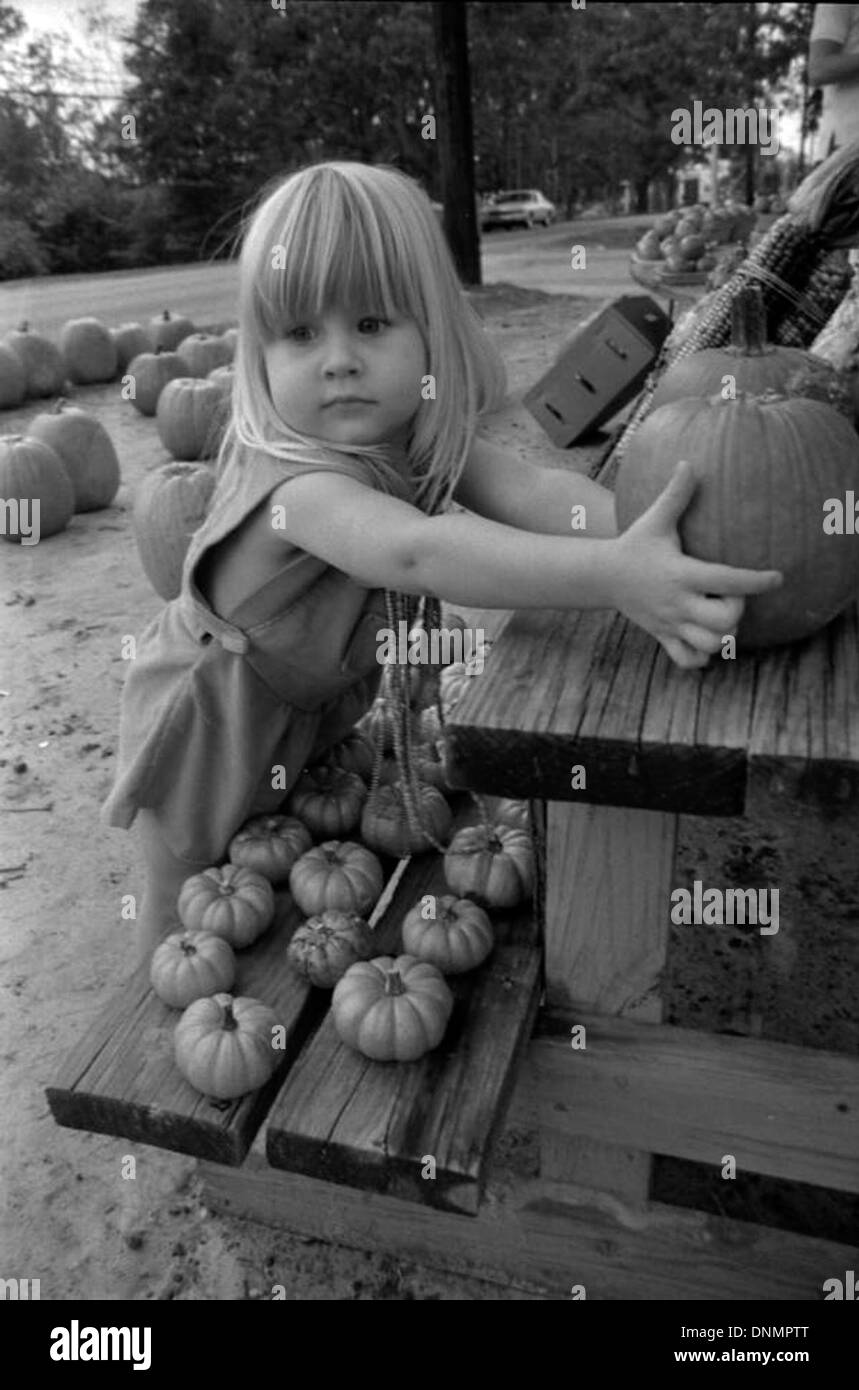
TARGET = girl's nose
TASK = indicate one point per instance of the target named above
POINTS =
(341, 354)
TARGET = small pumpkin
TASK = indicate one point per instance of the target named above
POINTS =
(41, 359)
(232, 902)
(13, 378)
(459, 937)
(224, 1046)
(377, 725)
(353, 754)
(169, 505)
(766, 467)
(270, 845)
(515, 813)
(89, 351)
(337, 875)
(191, 965)
(328, 801)
(203, 352)
(168, 330)
(149, 373)
(494, 864)
(323, 947)
(392, 1009)
(190, 417)
(455, 678)
(87, 451)
(230, 337)
(130, 341)
(385, 824)
(33, 475)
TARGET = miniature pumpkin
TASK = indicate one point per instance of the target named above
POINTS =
(755, 364)
(190, 417)
(323, 947)
(766, 466)
(169, 505)
(515, 813)
(458, 938)
(168, 330)
(202, 353)
(493, 864)
(31, 472)
(86, 449)
(89, 351)
(337, 875)
(270, 845)
(377, 726)
(13, 378)
(225, 1046)
(353, 754)
(191, 965)
(150, 373)
(328, 801)
(392, 1009)
(130, 341)
(454, 679)
(41, 359)
(232, 902)
(385, 825)
(230, 337)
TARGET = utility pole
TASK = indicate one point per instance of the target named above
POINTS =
(454, 134)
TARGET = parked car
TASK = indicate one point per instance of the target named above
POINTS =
(518, 207)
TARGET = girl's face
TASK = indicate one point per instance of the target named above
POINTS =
(348, 353)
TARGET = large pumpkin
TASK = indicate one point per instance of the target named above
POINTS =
(130, 340)
(41, 359)
(150, 373)
(203, 352)
(766, 466)
(751, 363)
(32, 473)
(225, 1047)
(190, 417)
(337, 875)
(13, 378)
(169, 505)
(89, 351)
(392, 1009)
(385, 824)
(168, 330)
(86, 449)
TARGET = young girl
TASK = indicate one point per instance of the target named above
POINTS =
(361, 373)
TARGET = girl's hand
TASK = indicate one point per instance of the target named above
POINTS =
(688, 605)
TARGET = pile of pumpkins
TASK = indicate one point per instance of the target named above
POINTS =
(769, 432)
(683, 240)
(66, 463)
(389, 1008)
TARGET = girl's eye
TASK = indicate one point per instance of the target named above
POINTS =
(294, 332)
(372, 318)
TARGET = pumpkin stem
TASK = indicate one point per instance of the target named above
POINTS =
(228, 1022)
(60, 404)
(394, 983)
(188, 948)
(748, 322)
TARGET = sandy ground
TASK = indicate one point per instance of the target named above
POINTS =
(69, 1218)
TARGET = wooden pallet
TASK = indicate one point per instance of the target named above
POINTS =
(369, 1124)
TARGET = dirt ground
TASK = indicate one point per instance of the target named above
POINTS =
(68, 1217)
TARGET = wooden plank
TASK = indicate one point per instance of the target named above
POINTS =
(121, 1078)
(372, 1124)
(789, 1112)
(543, 1238)
(590, 688)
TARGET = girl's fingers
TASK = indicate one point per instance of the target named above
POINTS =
(726, 579)
(720, 614)
(682, 654)
(703, 639)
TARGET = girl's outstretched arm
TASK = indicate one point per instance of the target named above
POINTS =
(552, 501)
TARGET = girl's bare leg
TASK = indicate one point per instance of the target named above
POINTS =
(165, 875)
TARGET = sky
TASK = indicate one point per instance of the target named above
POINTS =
(54, 17)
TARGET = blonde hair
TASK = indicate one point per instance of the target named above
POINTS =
(342, 230)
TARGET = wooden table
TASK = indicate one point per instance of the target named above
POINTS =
(744, 776)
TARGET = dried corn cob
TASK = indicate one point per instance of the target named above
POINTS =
(823, 215)
(824, 292)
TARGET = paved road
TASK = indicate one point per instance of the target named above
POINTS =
(537, 259)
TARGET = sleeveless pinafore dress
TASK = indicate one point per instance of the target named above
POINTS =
(212, 704)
